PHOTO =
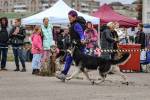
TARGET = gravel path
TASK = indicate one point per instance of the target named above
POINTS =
(25, 86)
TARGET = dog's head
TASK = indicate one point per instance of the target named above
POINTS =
(73, 46)
(53, 49)
(70, 50)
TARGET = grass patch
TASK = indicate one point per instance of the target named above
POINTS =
(45, 72)
(16, 15)
(10, 57)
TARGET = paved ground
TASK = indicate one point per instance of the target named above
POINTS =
(25, 86)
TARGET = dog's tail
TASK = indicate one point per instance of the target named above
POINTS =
(122, 60)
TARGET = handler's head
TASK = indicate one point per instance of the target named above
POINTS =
(72, 15)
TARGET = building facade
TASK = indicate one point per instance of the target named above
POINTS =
(35, 6)
(146, 12)
(29, 6)
(85, 6)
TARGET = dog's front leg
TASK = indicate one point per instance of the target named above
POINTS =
(77, 72)
(116, 70)
(87, 76)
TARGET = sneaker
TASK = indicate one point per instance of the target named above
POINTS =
(61, 77)
(4, 69)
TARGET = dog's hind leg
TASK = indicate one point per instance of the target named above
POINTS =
(77, 72)
(103, 76)
(87, 76)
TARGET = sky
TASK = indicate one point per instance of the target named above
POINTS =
(109, 1)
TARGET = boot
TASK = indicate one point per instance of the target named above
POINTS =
(33, 72)
(17, 68)
(23, 69)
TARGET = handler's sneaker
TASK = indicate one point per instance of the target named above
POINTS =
(61, 77)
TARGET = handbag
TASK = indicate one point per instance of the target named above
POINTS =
(13, 40)
(95, 43)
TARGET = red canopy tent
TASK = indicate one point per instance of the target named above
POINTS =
(107, 14)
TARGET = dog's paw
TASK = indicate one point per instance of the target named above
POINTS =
(126, 83)
(92, 81)
(97, 83)
(68, 78)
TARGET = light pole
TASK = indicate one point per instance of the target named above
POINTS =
(72, 1)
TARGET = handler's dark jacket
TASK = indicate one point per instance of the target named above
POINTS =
(74, 34)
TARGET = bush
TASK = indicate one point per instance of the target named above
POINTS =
(45, 72)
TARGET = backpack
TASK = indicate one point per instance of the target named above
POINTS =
(82, 22)
(4, 36)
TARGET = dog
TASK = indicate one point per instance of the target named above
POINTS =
(87, 62)
(52, 64)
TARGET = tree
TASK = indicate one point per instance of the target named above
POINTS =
(139, 17)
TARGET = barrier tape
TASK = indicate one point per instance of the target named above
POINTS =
(123, 50)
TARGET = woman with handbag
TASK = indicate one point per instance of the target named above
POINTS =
(17, 35)
(91, 37)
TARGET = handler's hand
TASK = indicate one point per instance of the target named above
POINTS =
(82, 41)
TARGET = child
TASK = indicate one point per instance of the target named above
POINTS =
(36, 49)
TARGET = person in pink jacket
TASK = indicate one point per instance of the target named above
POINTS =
(36, 49)
(90, 36)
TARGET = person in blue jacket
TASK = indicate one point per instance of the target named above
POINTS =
(76, 32)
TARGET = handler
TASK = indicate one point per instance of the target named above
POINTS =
(76, 32)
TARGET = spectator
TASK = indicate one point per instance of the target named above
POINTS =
(121, 34)
(107, 40)
(4, 37)
(76, 32)
(63, 43)
(91, 35)
(115, 44)
(36, 43)
(47, 40)
(17, 36)
(140, 36)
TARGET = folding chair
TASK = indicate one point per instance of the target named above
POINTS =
(145, 64)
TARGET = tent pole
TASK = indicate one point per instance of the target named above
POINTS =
(99, 38)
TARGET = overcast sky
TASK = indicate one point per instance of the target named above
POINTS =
(109, 1)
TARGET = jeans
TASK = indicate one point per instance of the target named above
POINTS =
(90, 53)
(68, 63)
(36, 61)
(4, 54)
(18, 52)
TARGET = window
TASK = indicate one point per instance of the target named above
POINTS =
(148, 15)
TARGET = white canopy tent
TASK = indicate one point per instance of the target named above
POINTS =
(58, 16)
